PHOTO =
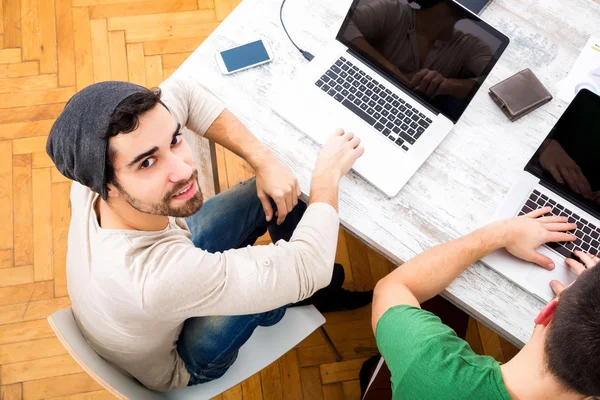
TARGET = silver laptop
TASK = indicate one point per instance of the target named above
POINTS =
(367, 82)
(564, 173)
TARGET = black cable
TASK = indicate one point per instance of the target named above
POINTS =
(305, 53)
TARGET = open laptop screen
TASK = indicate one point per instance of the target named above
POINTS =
(567, 159)
(437, 49)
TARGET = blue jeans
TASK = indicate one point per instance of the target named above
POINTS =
(229, 220)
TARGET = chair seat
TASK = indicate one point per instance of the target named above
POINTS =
(265, 346)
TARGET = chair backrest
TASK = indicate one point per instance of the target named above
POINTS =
(206, 162)
(264, 346)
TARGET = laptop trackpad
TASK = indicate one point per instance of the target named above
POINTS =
(540, 278)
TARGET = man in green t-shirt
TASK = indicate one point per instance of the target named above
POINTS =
(428, 361)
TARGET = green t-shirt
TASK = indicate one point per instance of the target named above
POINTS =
(428, 361)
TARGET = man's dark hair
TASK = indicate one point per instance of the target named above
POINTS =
(125, 119)
(573, 343)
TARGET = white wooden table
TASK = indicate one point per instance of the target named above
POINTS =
(463, 181)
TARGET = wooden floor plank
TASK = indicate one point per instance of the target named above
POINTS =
(351, 389)
(65, 36)
(25, 129)
(16, 294)
(30, 30)
(152, 21)
(23, 331)
(6, 195)
(84, 66)
(32, 310)
(41, 160)
(100, 53)
(159, 47)
(36, 97)
(222, 9)
(361, 270)
(6, 258)
(311, 383)
(38, 369)
(10, 56)
(140, 8)
(252, 388)
(315, 355)
(154, 71)
(118, 56)
(271, 382)
(490, 342)
(34, 82)
(11, 392)
(342, 257)
(31, 350)
(235, 393)
(31, 113)
(135, 63)
(290, 375)
(28, 68)
(16, 276)
(341, 371)
(48, 50)
(135, 35)
(333, 391)
(41, 180)
(174, 60)
(96, 395)
(12, 23)
(59, 386)
(61, 218)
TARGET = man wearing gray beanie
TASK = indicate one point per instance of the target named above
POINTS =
(163, 285)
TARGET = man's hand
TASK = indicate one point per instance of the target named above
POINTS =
(555, 160)
(523, 235)
(338, 154)
(588, 261)
(336, 158)
(274, 180)
(429, 82)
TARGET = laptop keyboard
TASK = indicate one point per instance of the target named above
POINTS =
(588, 235)
(377, 106)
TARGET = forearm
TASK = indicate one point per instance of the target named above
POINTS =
(324, 189)
(228, 131)
(429, 273)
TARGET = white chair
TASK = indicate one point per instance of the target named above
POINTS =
(264, 347)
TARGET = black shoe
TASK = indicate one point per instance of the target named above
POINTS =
(343, 300)
(334, 297)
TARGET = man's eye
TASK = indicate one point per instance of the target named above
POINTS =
(147, 163)
(176, 140)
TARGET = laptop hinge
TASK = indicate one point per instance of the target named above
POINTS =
(393, 82)
(569, 197)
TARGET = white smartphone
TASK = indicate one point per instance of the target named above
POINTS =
(243, 57)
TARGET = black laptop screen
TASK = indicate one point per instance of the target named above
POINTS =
(568, 159)
(435, 48)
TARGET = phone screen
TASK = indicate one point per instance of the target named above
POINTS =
(245, 55)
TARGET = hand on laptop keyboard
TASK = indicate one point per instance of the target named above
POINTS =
(534, 229)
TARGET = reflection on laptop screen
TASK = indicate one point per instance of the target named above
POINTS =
(568, 157)
(440, 51)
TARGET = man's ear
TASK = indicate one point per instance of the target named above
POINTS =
(112, 190)
(545, 316)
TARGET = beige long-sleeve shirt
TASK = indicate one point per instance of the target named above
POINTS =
(132, 290)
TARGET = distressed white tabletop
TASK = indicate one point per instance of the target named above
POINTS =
(462, 183)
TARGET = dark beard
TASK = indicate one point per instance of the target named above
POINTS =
(164, 208)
